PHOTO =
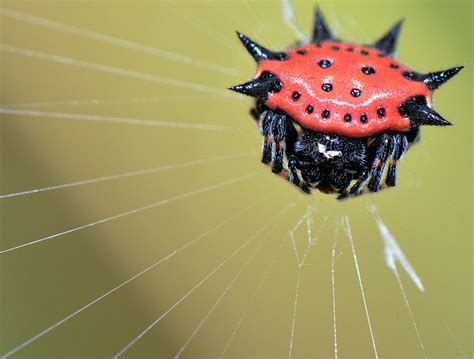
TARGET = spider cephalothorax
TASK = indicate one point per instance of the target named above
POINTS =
(356, 109)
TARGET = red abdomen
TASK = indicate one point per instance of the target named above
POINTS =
(342, 88)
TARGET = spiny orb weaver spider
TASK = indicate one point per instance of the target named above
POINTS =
(334, 113)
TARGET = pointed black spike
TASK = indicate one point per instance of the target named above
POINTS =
(321, 31)
(261, 86)
(259, 52)
(388, 42)
(419, 113)
(435, 79)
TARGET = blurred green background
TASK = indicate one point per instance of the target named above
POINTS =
(126, 61)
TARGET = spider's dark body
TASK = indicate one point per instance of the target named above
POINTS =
(333, 114)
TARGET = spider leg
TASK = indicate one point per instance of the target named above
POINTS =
(401, 147)
(403, 143)
(387, 149)
(294, 165)
(266, 130)
(279, 136)
(287, 175)
(267, 150)
(384, 148)
(356, 189)
(284, 136)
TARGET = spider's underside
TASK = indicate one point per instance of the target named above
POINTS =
(334, 163)
(329, 162)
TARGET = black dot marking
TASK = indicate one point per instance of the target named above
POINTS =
(301, 52)
(318, 45)
(356, 92)
(324, 64)
(326, 114)
(348, 117)
(350, 49)
(364, 52)
(309, 109)
(382, 55)
(327, 87)
(363, 118)
(381, 111)
(295, 96)
(403, 110)
(394, 66)
(335, 48)
(368, 70)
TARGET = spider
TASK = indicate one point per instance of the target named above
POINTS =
(337, 116)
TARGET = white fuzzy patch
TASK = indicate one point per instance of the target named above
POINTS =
(328, 154)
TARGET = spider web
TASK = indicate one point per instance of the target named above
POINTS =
(173, 255)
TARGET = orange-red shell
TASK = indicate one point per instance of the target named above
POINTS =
(387, 88)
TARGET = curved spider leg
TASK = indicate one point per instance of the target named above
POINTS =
(294, 165)
(356, 189)
(287, 175)
(400, 143)
(279, 138)
(380, 153)
(284, 136)
(401, 147)
(388, 149)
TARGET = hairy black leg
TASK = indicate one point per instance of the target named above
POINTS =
(280, 135)
(277, 166)
(300, 184)
(279, 130)
(381, 146)
(387, 148)
(266, 130)
(357, 187)
(311, 172)
(393, 163)
(292, 176)
(267, 150)
(401, 148)
(294, 165)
